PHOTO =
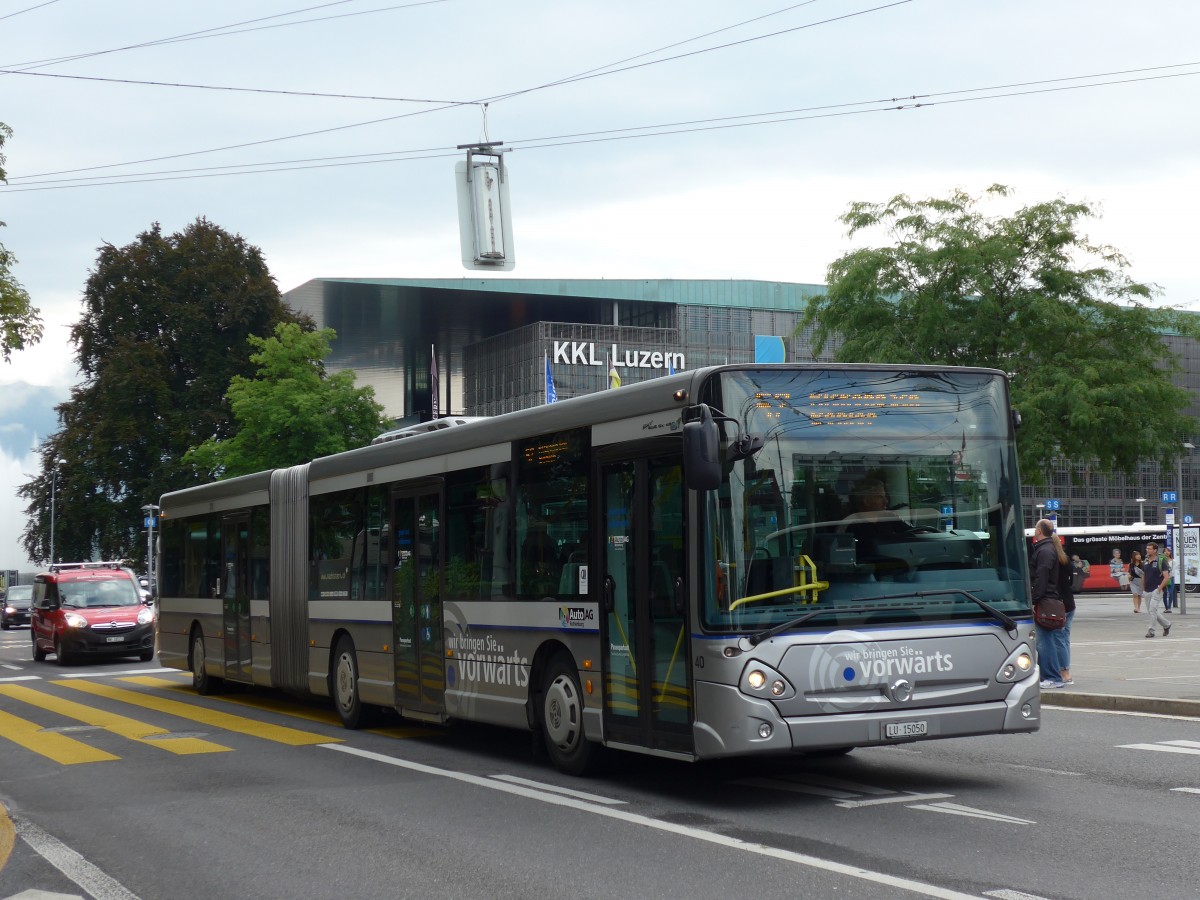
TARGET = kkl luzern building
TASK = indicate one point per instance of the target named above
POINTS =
(491, 342)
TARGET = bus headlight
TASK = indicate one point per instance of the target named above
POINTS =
(1018, 665)
(759, 680)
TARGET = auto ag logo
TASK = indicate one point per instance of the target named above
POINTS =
(575, 616)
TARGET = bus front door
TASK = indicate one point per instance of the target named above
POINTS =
(235, 597)
(417, 604)
(647, 700)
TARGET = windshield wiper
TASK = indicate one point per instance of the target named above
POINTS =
(752, 641)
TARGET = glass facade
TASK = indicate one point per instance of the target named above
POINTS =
(493, 339)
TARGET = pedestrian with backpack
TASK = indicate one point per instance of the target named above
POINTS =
(1154, 576)
(1049, 612)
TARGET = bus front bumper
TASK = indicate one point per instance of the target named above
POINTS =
(751, 726)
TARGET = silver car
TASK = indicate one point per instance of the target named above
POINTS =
(15, 610)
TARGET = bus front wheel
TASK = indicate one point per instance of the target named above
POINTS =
(562, 719)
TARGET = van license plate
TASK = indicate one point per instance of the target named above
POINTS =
(905, 729)
(120, 637)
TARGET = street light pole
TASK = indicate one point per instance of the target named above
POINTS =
(1181, 583)
(53, 491)
(1039, 507)
(1141, 502)
(151, 510)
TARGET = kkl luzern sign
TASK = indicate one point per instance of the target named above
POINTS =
(581, 353)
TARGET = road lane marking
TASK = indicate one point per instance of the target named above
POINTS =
(92, 880)
(58, 747)
(852, 795)
(957, 809)
(567, 792)
(688, 831)
(1187, 790)
(119, 725)
(280, 734)
(1191, 747)
(904, 797)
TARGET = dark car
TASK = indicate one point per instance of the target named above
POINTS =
(90, 609)
(15, 610)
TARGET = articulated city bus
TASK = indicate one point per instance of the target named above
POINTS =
(729, 561)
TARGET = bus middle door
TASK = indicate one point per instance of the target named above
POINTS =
(648, 700)
(235, 597)
(417, 603)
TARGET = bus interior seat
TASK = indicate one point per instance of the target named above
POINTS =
(769, 573)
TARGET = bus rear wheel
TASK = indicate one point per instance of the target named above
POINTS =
(562, 719)
(203, 683)
(344, 688)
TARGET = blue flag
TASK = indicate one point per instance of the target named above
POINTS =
(670, 366)
(551, 393)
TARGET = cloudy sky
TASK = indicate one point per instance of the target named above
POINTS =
(697, 139)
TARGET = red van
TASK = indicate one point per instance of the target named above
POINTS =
(90, 608)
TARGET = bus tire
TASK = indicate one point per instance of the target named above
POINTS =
(204, 683)
(344, 686)
(561, 719)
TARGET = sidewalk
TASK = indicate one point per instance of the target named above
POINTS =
(1115, 666)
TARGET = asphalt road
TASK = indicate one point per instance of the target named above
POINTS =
(120, 782)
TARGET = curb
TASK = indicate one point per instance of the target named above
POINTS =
(1118, 703)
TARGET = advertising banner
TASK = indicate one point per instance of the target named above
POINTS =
(1189, 555)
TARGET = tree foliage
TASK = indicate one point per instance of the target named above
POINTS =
(20, 324)
(292, 411)
(163, 332)
(1029, 294)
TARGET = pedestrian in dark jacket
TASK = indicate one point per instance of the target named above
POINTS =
(1043, 576)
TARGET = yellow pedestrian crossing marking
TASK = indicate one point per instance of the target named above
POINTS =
(283, 706)
(323, 716)
(214, 718)
(57, 747)
(117, 724)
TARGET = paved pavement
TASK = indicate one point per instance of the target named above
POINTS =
(1115, 666)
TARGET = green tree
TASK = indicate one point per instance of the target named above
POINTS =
(1029, 294)
(20, 324)
(292, 411)
(163, 332)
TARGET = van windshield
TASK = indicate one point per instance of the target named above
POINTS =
(94, 594)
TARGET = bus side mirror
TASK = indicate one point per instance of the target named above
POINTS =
(701, 455)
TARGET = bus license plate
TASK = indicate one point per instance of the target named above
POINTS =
(120, 637)
(905, 729)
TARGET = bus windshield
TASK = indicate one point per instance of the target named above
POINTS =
(879, 497)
